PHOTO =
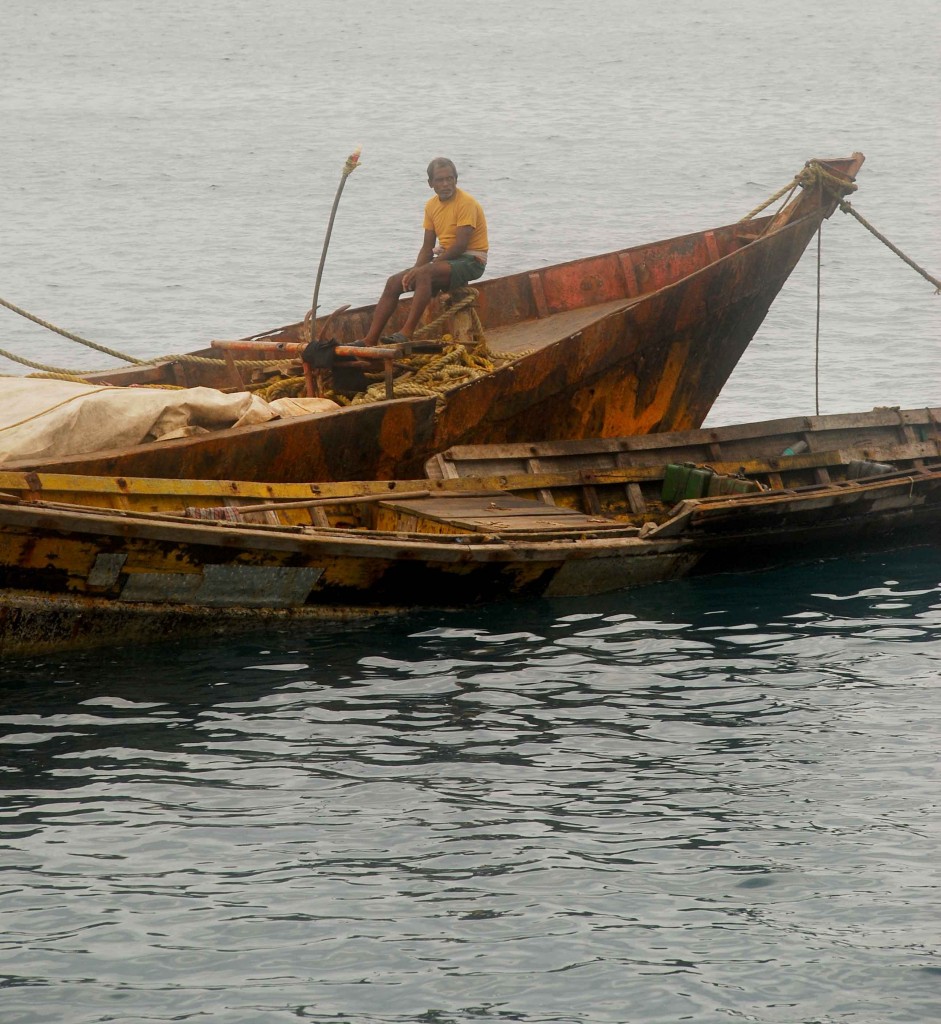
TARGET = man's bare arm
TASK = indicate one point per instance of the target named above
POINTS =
(459, 246)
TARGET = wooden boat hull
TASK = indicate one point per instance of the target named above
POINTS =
(129, 559)
(110, 584)
(630, 342)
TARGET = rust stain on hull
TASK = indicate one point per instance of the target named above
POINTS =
(636, 341)
(559, 519)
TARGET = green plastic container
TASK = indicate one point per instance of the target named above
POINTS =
(675, 479)
(697, 484)
(719, 485)
(722, 484)
(687, 480)
(859, 468)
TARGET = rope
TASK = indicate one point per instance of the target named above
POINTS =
(61, 372)
(79, 375)
(434, 375)
(847, 208)
(431, 376)
(813, 173)
(56, 371)
(467, 300)
(69, 335)
(285, 387)
(788, 188)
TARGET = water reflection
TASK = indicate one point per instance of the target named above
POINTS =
(708, 781)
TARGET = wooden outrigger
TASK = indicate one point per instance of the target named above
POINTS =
(91, 560)
(636, 341)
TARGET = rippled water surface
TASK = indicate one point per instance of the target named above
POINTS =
(717, 800)
(708, 801)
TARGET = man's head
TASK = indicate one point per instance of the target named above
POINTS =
(442, 177)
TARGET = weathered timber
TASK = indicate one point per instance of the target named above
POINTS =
(92, 546)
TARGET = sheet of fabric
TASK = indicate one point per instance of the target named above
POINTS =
(302, 406)
(41, 417)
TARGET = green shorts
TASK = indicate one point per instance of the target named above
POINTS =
(465, 269)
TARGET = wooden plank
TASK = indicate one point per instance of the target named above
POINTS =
(590, 498)
(497, 514)
(440, 468)
(712, 246)
(534, 466)
(643, 463)
(626, 263)
(635, 499)
(318, 517)
(451, 509)
(537, 523)
(909, 488)
(234, 376)
(539, 295)
(769, 431)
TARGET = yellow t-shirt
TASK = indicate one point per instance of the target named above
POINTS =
(461, 211)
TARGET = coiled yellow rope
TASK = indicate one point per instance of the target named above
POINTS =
(283, 387)
(434, 374)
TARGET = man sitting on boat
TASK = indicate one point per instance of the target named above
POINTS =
(456, 222)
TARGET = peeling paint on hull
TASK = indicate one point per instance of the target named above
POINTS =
(630, 342)
(86, 560)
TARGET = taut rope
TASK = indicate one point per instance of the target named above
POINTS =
(65, 334)
(847, 208)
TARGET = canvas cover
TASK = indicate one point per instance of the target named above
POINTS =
(41, 417)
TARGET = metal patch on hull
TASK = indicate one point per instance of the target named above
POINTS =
(105, 571)
(579, 577)
(225, 586)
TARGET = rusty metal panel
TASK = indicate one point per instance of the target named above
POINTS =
(106, 570)
(694, 302)
(578, 577)
(225, 586)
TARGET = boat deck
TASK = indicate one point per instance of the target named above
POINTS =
(531, 335)
(497, 513)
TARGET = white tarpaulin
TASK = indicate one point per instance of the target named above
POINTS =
(41, 417)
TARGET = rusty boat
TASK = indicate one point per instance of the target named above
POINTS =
(635, 341)
(89, 560)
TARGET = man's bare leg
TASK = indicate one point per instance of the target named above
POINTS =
(438, 276)
(426, 279)
(385, 307)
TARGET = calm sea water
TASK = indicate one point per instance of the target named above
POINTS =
(715, 800)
